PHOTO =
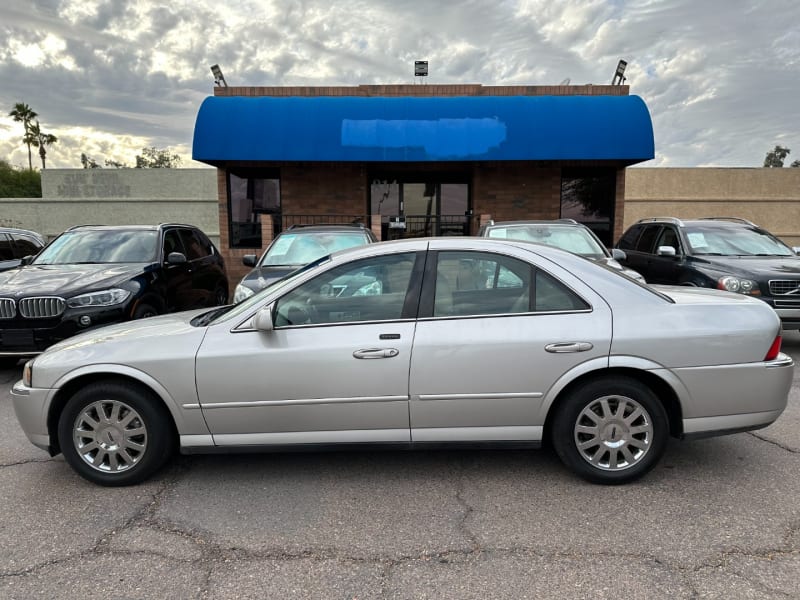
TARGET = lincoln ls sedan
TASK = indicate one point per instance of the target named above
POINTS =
(414, 344)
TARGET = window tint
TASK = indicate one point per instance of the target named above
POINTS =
(373, 289)
(645, 243)
(669, 237)
(552, 295)
(628, 240)
(25, 246)
(6, 251)
(194, 249)
(480, 283)
(172, 243)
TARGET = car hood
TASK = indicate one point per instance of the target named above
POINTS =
(261, 277)
(770, 266)
(64, 280)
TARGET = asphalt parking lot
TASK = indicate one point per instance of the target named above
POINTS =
(718, 518)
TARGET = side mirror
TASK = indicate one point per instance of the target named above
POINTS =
(176, 258)
(665, 251)
(618, 254)
(263, 319)
(249, 260)
(26, 260)
(796, 249)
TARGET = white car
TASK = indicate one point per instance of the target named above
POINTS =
(417, 343)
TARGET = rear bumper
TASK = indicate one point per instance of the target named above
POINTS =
(730, 398)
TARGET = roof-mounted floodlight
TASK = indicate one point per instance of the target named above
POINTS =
(219, 78)
(619, 76)
(420, 68)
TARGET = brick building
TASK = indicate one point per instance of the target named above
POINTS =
(414, 160)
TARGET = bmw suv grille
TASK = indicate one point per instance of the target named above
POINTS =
(41, 307)
(7, 308)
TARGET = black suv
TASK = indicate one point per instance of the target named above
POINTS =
(723, 253)
(96, 275)
(295, 248)
(16, 244)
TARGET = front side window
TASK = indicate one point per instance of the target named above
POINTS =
(371, 289)
(251, 193)
(194, 249)
(24, 246)
(669, 237)
(101, 246)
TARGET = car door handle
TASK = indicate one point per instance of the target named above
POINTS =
(376, 353)
(561, 347)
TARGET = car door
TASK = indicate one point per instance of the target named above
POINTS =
(179, 289)
(333, 369)
(486, 352)
(666, 269)
(205, 277)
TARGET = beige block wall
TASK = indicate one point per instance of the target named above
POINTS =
(117, 197)
(768, 197)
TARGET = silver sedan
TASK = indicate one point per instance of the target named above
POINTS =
(417, 343)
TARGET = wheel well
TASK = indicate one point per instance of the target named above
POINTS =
(660, 388)
(65, 393)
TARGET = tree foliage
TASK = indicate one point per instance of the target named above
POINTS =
(775, 158)
(19, 183)
(22, 113)
(153, 158)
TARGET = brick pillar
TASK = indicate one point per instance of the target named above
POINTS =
(375, 225)
(267, 230)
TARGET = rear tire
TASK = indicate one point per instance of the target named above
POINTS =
(611, 430)
(115, 434)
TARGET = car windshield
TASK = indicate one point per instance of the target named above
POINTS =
(734, 241)
(304, 247)
(89, 246)
(572, 239)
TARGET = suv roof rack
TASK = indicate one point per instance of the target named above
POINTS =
(673, 220)
(358, 224)
(732, 219)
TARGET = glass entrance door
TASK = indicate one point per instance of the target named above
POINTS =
(420, 209)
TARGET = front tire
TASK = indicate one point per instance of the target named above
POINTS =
(611, 430)
(115, 434)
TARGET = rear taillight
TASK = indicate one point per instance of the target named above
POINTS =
(775, 349)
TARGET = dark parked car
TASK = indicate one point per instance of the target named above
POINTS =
(566, 234)
(95, 275)
(723, 253)
(16, 244)
(296, 247)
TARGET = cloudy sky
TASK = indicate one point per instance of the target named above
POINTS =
(109, 77)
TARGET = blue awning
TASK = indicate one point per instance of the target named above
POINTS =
(422, 129)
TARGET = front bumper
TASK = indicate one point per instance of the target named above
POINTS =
(31, 406)
(22, 337)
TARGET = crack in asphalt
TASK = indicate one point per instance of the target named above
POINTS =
(774, 443)
(28, 462)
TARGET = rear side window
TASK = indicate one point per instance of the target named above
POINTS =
(194, 249)
(628, 240)
(552, 295)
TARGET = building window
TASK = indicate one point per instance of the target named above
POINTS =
(251, 193)
(588, 196)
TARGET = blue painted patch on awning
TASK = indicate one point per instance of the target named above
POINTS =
(429, 129)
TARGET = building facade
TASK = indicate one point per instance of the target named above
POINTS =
(417, 160)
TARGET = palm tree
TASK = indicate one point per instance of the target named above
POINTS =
(41, 140)
(22, 113)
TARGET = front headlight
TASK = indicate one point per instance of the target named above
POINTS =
(242, 293)
(27, 373)
(103, 298)
(740, 286)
